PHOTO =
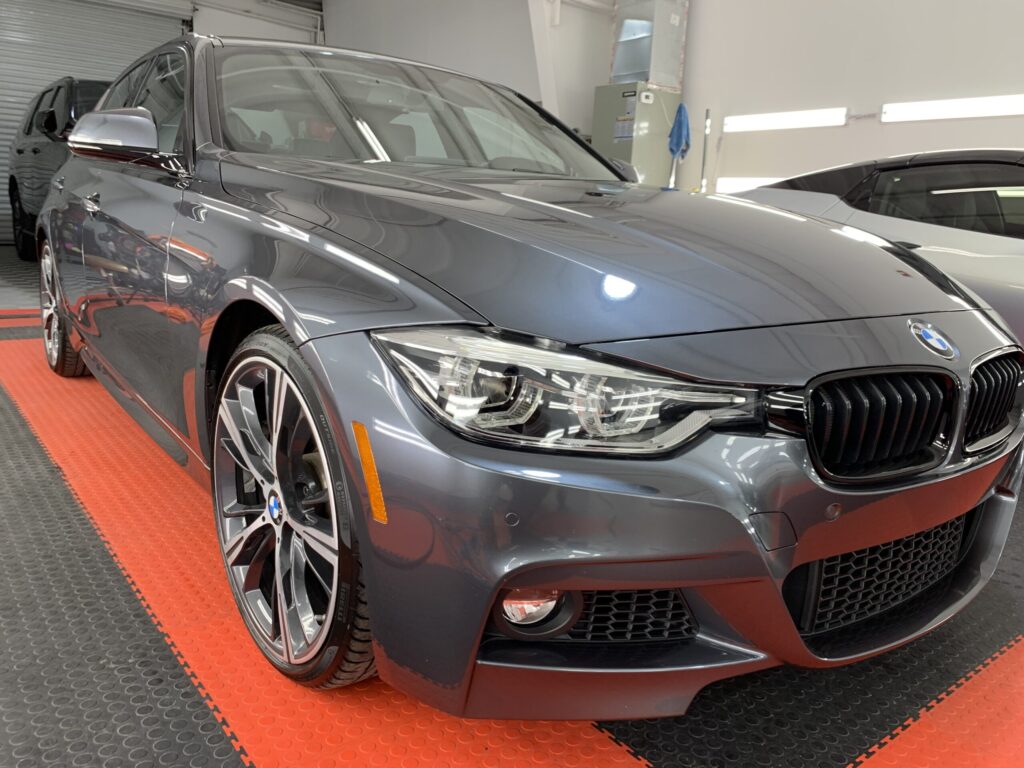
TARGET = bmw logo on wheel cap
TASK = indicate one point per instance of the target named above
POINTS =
(934, 340)
(274, 508)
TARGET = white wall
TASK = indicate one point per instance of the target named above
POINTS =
(580, 49)
(248, 18)
(490, 39)
(750, 56)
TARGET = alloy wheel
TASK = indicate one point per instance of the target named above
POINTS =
(52, 331)
(276, 511)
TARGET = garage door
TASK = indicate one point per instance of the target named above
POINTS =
(43, 40)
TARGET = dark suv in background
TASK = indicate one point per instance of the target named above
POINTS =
(40, 148)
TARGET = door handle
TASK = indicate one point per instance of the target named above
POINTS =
(35, 150)
(91, 203)
(58, 183)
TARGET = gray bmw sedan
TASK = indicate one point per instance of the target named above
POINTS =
(483, 416)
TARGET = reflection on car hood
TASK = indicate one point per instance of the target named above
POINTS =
(590, 261)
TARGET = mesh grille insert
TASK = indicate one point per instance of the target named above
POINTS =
(624, 616)
(993, 393)
(849, 588)
(879, 423)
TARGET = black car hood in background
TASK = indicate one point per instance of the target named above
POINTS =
(587, 261)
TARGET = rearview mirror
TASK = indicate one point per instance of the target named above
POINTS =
(46, 123)
(127, 134)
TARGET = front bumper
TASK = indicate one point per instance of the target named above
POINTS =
(466, 521)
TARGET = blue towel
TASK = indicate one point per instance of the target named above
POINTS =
(679, 136)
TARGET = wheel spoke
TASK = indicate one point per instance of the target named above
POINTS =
(251, 422)
(238, 509)
(312, 567)
(239, 543)
(289, 627)
(240, 444)
(319, 541)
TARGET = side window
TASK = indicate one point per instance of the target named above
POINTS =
(60, 106)
(40, 104)
(163, 94)
(980, 197)
(122, 91)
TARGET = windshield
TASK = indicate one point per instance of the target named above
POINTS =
(345, 107)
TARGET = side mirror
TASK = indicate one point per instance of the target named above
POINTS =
(46, 123)
(626, 170)
(127, 135)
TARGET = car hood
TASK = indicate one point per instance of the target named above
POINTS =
(588, 262)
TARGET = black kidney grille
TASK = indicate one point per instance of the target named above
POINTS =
(879, 423)
(993, 393)
(625, 616)
(852, 587)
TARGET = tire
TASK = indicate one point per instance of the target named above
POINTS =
(284, 517)
(24, 233)
(60, 355)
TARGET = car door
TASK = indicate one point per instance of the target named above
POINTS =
(32, 184)
(53, 149)
(132, 208)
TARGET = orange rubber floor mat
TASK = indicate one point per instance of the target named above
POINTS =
(973, 724)
(158, 524)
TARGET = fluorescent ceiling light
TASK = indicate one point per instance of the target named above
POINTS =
(775, 121)
(727, 185)
(946, 109)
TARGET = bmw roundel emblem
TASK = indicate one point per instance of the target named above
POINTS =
(934, 340)
(274, 507)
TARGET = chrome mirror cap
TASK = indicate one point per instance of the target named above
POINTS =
(115, 134)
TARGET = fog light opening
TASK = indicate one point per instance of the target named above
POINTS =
(528, 607)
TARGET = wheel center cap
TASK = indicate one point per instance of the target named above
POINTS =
(274, 508)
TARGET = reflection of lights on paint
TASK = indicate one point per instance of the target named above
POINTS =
(618, 288)
(729, 185)
(559, 208)
(542, 474)
(755, 206)
(315, 318)
(360, 262)
(862, 237)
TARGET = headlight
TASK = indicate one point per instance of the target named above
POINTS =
(529, 396)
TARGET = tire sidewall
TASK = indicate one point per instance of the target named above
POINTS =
(271, 343)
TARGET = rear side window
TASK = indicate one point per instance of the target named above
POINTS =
(838, 181)
(26, 127)
(979, 197)
(60, 106)
(124, 89)
(163, 94)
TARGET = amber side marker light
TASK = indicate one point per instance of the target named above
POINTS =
(377, 508)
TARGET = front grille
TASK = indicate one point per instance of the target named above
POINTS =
(846, 589)
(881, 423)
(631, 616)
(993, 394)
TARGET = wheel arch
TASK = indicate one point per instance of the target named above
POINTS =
(231, 326)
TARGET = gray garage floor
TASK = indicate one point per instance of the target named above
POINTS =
(19, 281)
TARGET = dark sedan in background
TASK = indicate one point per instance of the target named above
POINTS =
(39, 149)
(485, 417)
